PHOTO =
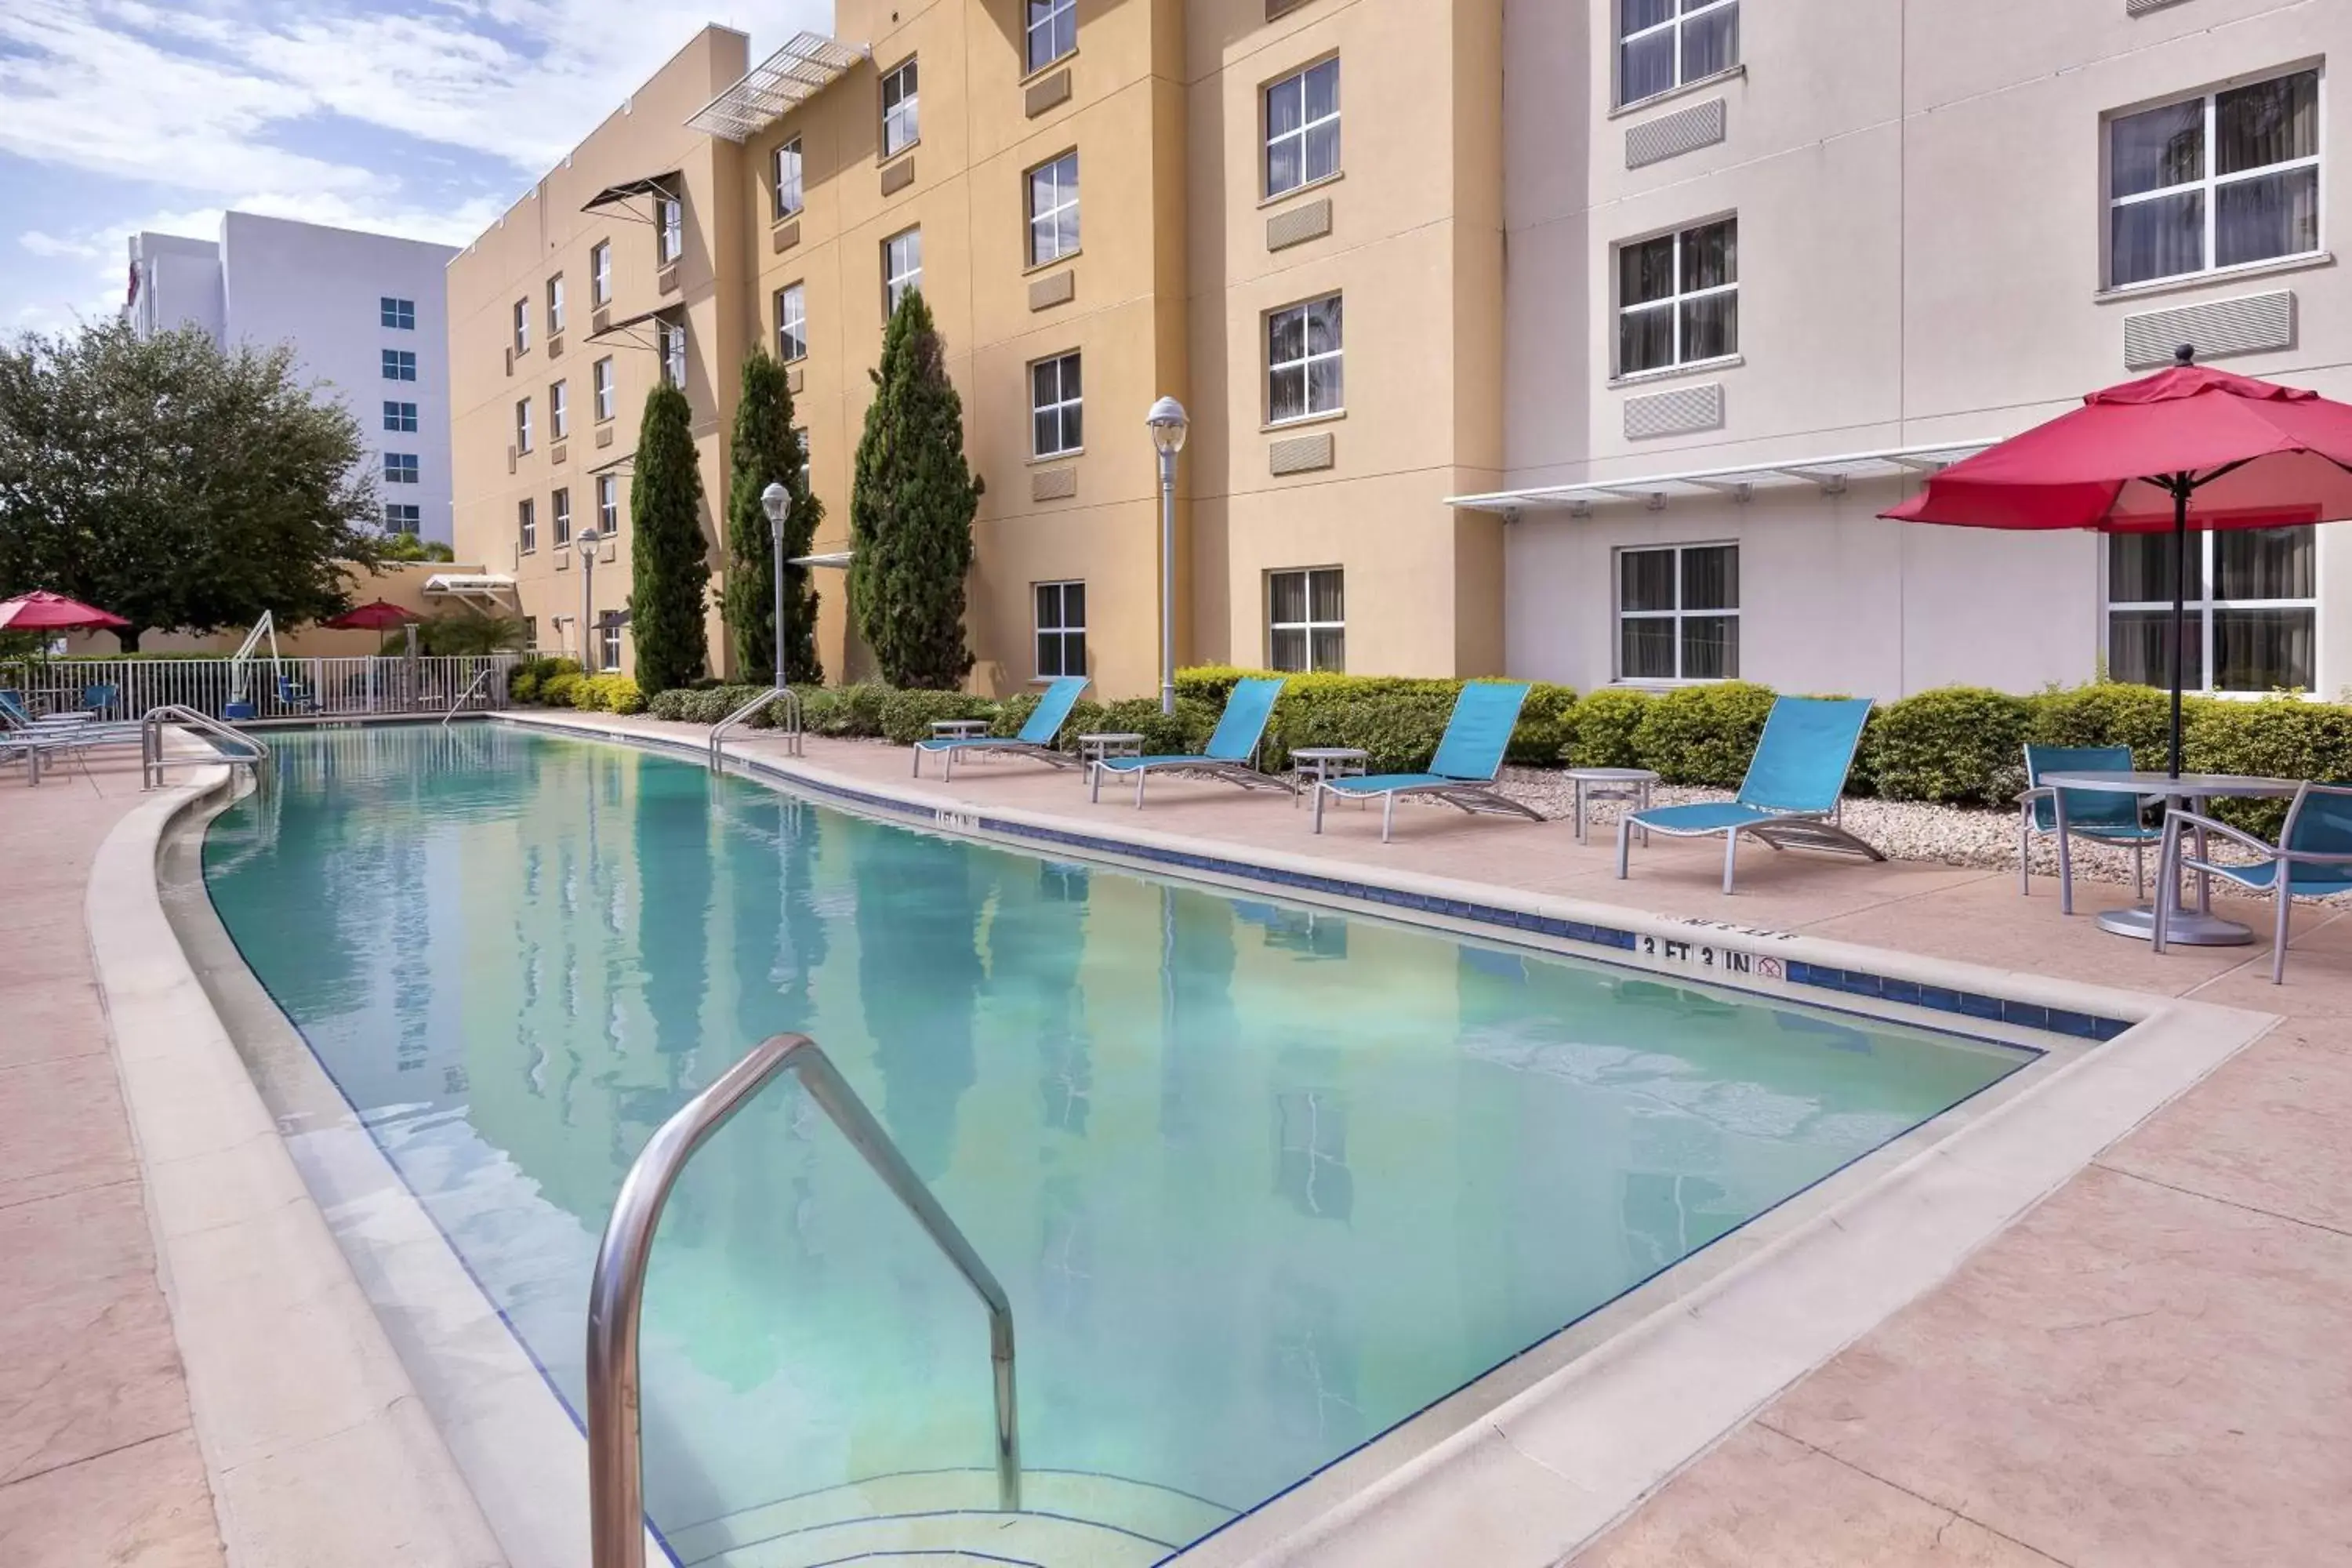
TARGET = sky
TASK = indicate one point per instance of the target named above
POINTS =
(420, 118)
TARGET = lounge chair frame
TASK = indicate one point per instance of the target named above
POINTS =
(1471, 794)
(1243, 772)
(1003, 745)
(2170, 862)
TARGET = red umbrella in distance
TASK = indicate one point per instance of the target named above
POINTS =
(2188, 448)
(376, 615)
(42, 610)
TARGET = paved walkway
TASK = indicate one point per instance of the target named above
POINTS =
(97, 1463)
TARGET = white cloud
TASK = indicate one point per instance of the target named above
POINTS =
(41, 244)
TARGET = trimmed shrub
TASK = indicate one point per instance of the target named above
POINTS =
(670, 704)
(1600, 729)
(908, 716)
(1543, 724)
(2107, 713)
(1182, 733)
(849, 710)
(1013, 713)
(562, 689)
(1955, 743)
(615, 694)
(1297, 716)
(529, 682)
(1399, 730)
(1703, 734)
(2277, 737)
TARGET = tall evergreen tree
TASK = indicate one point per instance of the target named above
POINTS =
(767, 451)
(910, 510)
(670, 560)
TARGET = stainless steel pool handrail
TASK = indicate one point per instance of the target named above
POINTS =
(253, 752)
(789, 729)
(617, 1293)
(468, 695)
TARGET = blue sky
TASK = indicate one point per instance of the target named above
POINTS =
(423, 117)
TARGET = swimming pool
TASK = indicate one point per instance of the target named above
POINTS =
(1262, 1181)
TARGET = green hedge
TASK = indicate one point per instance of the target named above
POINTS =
(1957, 743)
(1300, 716)
(908, 716)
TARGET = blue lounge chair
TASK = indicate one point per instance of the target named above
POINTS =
(1789, 797)
(1232, 752)
(1462, 773)
(2098, 814)
(2312, 860)
(1035, 739)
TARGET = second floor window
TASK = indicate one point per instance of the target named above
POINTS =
(522, 424)
(792, 323)
(400, 416)
(522, 326)
(400, 364)
(902, 268)
(1053, 210)
(1055, 407)
(788, 179)
(600, 273)
(605, 391)
(1679, 297)
(559, 411)
(608, 505)
(669, 228)
(901, 125)
(400, 468)
(399, 315)
(1662, 43)
(2222, 180)
(1678, 613)
(559, 512)
(527, 525)
(673, 352)
(555, 304)
(1303, 365)
(1053, 31)
(1302, 128)
(2253, 607)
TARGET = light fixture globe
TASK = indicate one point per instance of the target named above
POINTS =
(586, 543)
(776, 501)
(1170, 424)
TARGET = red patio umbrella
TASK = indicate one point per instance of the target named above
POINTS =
(2188, 448)
(376, 615)
(42, 610)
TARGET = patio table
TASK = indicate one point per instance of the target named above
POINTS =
(2200, 927)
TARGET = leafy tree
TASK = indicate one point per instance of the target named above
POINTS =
(670, 560)
(462, 632)
(767, 451)
(407, 547)
(910, 510)
(178, 485)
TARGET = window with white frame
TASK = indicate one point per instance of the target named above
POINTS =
(669, 230)
(1662, 43)
(1302, 128)
(788, 195)
(608, 640)
(400, 468)
(399, 315)
(1061, 629)
(559, 411)
(792, 323)
(672, 336)
(400, 416)
(600, 273)
(1054, 209)
(602, 377)
(522, 326)
(608, 506)
(555, 304)
(559, 516)
(403, 516)
(1307, 620)
(400, 364)
(522, 424)
(1678, 613)
(902, 268)
(1053, 31)
(527, 525)
(1679, 297)
(1055, 407)
(2252, 610)
(901, 127)
(1303, 366)
(2222, 180)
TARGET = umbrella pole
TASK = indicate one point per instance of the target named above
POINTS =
(2179, 607)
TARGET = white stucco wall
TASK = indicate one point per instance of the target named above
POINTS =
(179, 284)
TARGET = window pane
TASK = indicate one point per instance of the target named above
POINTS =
(1646, 649)
(1286, 336)
(1646, 579)
(1711, 578)
(1710, 648)
(2139, 569)
(1282, 168)
(1047, 427)
(2162, 147)
(1645, 272)
(1323, 150)
(2264, 564)
(1286, 394)
(1073, 605)
(1049, 654)
(1326, 390)
(1285, 106)
(1328, 648)
(1288, 649)
(1711, 43)
(1645, 340)
(1711, 256)
(2262, 650)
(1071, 387)
(1323, 90)
(1323, 326)
(1073, 433)
(2269, 122)
(1287, 596)
(2275, 215)
(1633, 16)
(1710, 326)
(2159, 239)
(1074, 653)
(1328, 602)
(1044, 378)
(2139, 649)
(1645, 66)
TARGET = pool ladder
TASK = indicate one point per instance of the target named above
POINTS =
(617, 1293)
(790, 728)
(246, 749)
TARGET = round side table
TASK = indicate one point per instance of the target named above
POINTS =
(1313, 765)
(1609, 783)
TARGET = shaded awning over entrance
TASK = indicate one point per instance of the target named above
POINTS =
(493, 589)
(1829, 474)
(803, 68)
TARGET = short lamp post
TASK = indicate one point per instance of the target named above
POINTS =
(777, 503)
(586, 544)
(1170, 424)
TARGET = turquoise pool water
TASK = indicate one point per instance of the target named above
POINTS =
(1262, 1182)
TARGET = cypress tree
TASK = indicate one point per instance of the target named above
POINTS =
(767, 451)
(670, 562)
(910, 510)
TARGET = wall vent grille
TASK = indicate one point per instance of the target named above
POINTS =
(1300, 454)
(1677, 413)
(1655, 140)
(2252, 323)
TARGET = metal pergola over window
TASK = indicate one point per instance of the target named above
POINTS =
(648, 188)
(803, 68)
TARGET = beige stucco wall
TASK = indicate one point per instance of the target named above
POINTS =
(396, 583)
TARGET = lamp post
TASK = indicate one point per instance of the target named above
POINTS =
(1170, 424)
(777, 503)
(586, 544)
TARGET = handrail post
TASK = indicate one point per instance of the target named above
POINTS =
(783, 694)
(463, 697)
(616, 1290)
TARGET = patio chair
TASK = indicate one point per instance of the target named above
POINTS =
(2100, 816)
(2312, 860)
(1462, 773)
(1788, 799)
(99, 696)
(1230, 753)
(1035, 739)
(296, 696)
(14, 712)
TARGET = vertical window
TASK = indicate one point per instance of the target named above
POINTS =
(788, 179)
(400, 416)
(522, 326)
(1054, 209)
(559, 411)
(400, 468)
(399, 315)
(2252, 604)
(1679, 297)
(1056, 406)
(608, 640)
(402, 517)
(603, 377)
(608, 505)
(1306, 621)
(600, 273)
(669, 228)
(1662, 43)
(522, 424)
(530, 634)
(527, 525)
(902, 268)
(399, 364)
(1302, 128)
(672, 335)
(555, 304)
(1678, 613)
(1053, 31)
(559, 514)
(2219, 181)
(1061, 629)
(792, 323)
(1302, 362)
(901, 128)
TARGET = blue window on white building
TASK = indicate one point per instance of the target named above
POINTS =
(400, 468)
(399, 315)
(401, 417)
(402, 517)
(399, 364)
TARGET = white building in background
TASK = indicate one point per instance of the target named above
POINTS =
(1770, 263)
(365, 314)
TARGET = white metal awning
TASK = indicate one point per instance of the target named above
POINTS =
(1829, 474)
(838, 559)
(777, 84)
(490, 588)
